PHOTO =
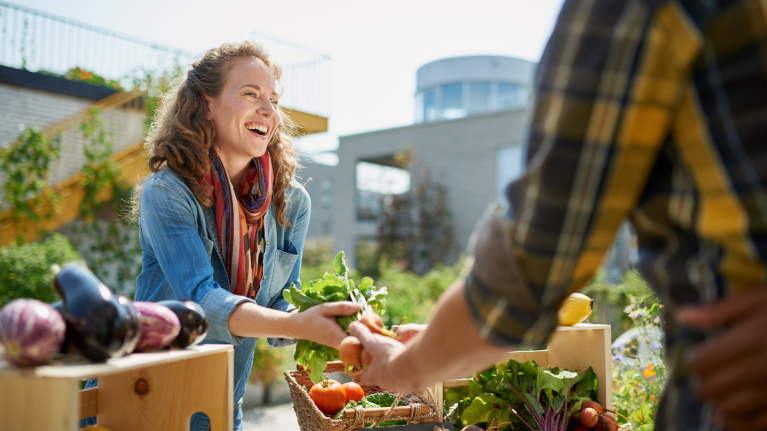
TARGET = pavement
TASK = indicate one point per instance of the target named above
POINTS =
(280, 417)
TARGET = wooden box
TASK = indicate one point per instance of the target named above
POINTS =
(573, 347)
(142, 391)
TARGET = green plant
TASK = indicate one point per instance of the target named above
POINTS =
(416, 227)
(639, 368)
(81, 75)
(25, 270)
(99, 170)
(412, 296)
(24, 166)
(269, 363)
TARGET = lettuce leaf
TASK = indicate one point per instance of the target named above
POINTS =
(330, 288)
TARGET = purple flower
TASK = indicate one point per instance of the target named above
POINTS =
(617, 345)
(618, 357)
(656, 345)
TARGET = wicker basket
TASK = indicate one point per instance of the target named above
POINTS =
(419, 408)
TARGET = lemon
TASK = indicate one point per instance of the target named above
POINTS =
(575, 309)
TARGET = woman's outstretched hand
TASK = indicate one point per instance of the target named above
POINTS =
(319, 323)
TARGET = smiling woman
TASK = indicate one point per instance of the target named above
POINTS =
(221, 219)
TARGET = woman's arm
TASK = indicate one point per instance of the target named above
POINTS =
(171, 232)
(316, 324)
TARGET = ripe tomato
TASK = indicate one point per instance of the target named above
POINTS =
(353, 391)
(329, 396)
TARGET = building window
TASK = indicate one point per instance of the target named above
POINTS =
(430, 105)
(452, 101)
(511, 161)
(512, 96)
(327, 193)
(459, 99)
(479, 97)
(373, 183)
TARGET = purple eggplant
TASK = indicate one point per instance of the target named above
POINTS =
(67, 346)
(31, 332)
(159, 326)
(134, 326)
(194, 323)
(102, 326)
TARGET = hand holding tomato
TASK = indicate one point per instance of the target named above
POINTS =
(329, 396)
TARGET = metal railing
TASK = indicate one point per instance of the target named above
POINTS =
(38, 41)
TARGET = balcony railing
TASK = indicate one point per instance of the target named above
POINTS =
(38, 41)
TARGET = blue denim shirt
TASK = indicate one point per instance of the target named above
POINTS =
(182, 260)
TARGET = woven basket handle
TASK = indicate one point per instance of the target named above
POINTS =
(386, 416)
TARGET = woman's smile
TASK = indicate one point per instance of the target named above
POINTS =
(245, 113)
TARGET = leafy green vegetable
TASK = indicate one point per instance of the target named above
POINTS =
(539, 397)
(486, 408)
(364, 403)
(374, 401)
(384, 399)
(331, 288)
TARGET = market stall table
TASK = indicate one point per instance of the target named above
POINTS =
(146, 391)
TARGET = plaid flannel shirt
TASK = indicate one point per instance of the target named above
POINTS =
(653, 111)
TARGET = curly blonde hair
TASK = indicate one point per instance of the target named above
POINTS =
(182, 135)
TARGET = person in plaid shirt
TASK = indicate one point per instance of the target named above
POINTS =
(655, 111)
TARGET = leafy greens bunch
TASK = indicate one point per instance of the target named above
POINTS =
(374, 401)
(521, 395)
(331, 288)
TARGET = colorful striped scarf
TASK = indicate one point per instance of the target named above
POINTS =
(240, 220)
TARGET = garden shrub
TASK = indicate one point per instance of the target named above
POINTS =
(25, 270)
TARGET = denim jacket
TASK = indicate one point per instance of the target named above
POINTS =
(182, 260)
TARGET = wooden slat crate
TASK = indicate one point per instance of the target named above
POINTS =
(573, 347)
(142, 391)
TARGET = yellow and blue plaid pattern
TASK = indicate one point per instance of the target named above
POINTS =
(652, 111)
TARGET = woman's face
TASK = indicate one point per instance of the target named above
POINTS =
(245, 112)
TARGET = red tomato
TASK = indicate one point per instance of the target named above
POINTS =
(329, 396)
(353, 391)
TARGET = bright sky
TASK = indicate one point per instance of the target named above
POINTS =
(376, 46)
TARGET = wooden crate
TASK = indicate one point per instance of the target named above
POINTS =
(142, 391)
(573, 347)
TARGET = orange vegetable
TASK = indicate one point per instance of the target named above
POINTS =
(329, 396)
(353, 391)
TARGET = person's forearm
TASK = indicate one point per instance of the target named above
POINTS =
(450, 348)
(251, 320)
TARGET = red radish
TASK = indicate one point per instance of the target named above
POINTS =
(594, 405)
(589, 417)
(607, 423)
(31, 331)
(373, 322)
(349, 352)
(159, 326)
